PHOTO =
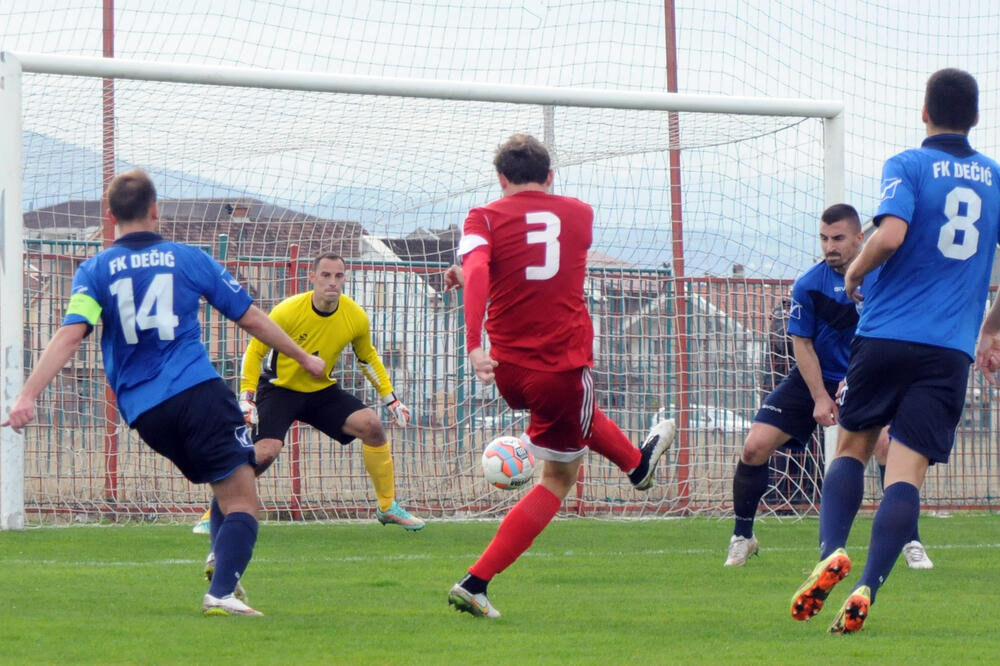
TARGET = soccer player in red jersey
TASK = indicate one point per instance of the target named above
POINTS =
(525, 254)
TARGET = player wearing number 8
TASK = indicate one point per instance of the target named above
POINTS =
(937, 232)
(145, 290)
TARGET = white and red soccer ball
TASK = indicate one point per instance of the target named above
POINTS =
(507, 463)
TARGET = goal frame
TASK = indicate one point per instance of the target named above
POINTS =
(14, 65)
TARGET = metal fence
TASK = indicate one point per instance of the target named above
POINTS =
(694, 349)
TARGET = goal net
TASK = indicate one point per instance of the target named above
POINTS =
(702, 219)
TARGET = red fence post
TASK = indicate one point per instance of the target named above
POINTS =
(296, 462)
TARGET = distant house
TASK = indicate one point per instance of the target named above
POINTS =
(430, 246)
(251, 228)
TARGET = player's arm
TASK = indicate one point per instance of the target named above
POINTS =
(263, 328)
(988, 346)
(226, 295)
(374, 371)
(476, 269)
(58, 352)
(824, 409)
(877, 249)
(453, 278)
(372, 366)
(253, 357)
(475, 252)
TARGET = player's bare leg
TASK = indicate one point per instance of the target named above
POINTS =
(266, 451)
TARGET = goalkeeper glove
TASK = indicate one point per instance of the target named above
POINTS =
(399, 412)
(248, 406)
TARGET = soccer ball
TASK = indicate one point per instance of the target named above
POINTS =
(507, 463)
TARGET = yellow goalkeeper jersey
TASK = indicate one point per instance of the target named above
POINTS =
(323, 335)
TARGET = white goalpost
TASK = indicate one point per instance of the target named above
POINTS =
(11, 293)
(264, 168)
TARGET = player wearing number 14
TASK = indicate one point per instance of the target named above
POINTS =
(145, 290)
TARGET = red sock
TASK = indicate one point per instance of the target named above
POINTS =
(608, 440)
(517, 532)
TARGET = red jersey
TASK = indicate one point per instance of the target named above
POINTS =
(535, 245)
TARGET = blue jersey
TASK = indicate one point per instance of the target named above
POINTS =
(933, 289)
(146, 291)
(822, 311)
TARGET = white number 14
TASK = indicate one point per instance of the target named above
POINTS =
(159, 295)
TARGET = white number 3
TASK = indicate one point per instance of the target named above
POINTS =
(550, 236)
(952, 244)
(159, 295)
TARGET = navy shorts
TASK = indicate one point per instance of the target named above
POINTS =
(201, 430)
(789, 407)
(919, 389)
(326, 410)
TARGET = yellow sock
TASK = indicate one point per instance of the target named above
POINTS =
(207, 515)
(378, 462)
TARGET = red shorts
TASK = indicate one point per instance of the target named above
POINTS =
(561, 405)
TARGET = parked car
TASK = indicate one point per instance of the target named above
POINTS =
(707, 418)
(503, 422)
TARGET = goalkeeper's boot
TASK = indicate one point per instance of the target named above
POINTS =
(227, 605)
(657, 442)
(204, 524)
(397, 515)
(853, 613)
(809, 598)
(238, 591)
(474, 604)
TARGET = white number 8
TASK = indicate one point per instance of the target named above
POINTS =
(969, 242)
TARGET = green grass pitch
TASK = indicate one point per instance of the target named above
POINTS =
(587, 592)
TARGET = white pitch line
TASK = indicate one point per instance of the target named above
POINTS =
(423, 557)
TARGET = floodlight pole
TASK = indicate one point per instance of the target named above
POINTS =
(677, 261)
(108, 236)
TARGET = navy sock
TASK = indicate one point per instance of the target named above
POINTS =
(749, 485)
(843, 488)
(215, 518)
(916, 530)
(233, 550)
(894, 523)
(639, 473)
(474, 584)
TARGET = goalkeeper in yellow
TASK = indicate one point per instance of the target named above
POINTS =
(275, 392)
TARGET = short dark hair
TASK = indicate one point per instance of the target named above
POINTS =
(842, 211)
(131, 195)
(522, 159)
(328, 255)
(952, 99)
